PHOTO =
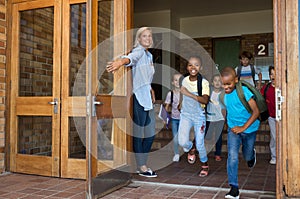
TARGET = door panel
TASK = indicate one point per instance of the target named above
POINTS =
(73, 148)
(35, 119)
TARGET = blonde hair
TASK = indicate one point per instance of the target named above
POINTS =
(138, 34)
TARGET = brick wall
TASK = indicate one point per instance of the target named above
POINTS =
(248, 43)
(3, 38)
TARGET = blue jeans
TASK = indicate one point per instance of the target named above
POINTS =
(175, 125)
(143, 132)
(185, 126)
(234, 142)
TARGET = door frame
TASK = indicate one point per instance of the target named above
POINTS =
(286, 59)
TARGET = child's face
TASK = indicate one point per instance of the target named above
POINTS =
(175, 81)
(272, 76)
(229, 83)
(245, 61)
(217, 83)
(194, 66)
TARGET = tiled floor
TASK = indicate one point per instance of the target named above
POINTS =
(178, 180)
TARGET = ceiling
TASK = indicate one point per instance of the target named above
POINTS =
(190, 8)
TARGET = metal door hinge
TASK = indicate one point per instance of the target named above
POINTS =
(279, 100)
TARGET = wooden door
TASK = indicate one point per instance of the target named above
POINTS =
(286, 58)
(110, 125)
(35, 87)
(80, 47)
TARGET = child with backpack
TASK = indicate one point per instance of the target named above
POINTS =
(268, 91)
(193, 113)
(172, 101)
(246, 71)
(242, 128)
(215, 117)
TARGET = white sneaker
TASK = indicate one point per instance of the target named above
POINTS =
(273, 161)
(176, 158)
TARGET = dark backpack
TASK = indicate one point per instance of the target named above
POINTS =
(260, 100)
(239, 70)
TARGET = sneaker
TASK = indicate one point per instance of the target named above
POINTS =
(233, 193)
(273, 161)
(251, 163)
(176, 158)
(149, 173)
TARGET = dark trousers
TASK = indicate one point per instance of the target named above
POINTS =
(143, 132)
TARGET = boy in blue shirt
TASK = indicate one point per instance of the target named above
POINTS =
(242, 128)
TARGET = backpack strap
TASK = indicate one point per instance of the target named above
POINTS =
(238, 72)
(253, 72)
(199, 84)
(266, 89)
(172, 95)
(240, 93)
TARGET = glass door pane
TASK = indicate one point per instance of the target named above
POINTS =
(36, 52)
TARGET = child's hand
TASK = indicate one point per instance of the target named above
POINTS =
(179, 107)
(152, 95)
(238, 129)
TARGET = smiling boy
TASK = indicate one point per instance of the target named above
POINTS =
(242, 128)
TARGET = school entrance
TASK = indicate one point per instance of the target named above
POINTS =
(52, 130)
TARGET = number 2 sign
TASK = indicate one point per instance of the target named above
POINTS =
(261, 49)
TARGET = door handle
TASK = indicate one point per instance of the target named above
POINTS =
(55, 104)
(98, 103)
(94, 103)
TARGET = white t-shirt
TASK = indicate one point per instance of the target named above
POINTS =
(214, 113)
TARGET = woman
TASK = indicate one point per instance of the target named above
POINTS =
(143, 97)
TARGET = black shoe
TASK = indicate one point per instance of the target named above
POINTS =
(149, 173)
(251, 163)
(233, 193)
